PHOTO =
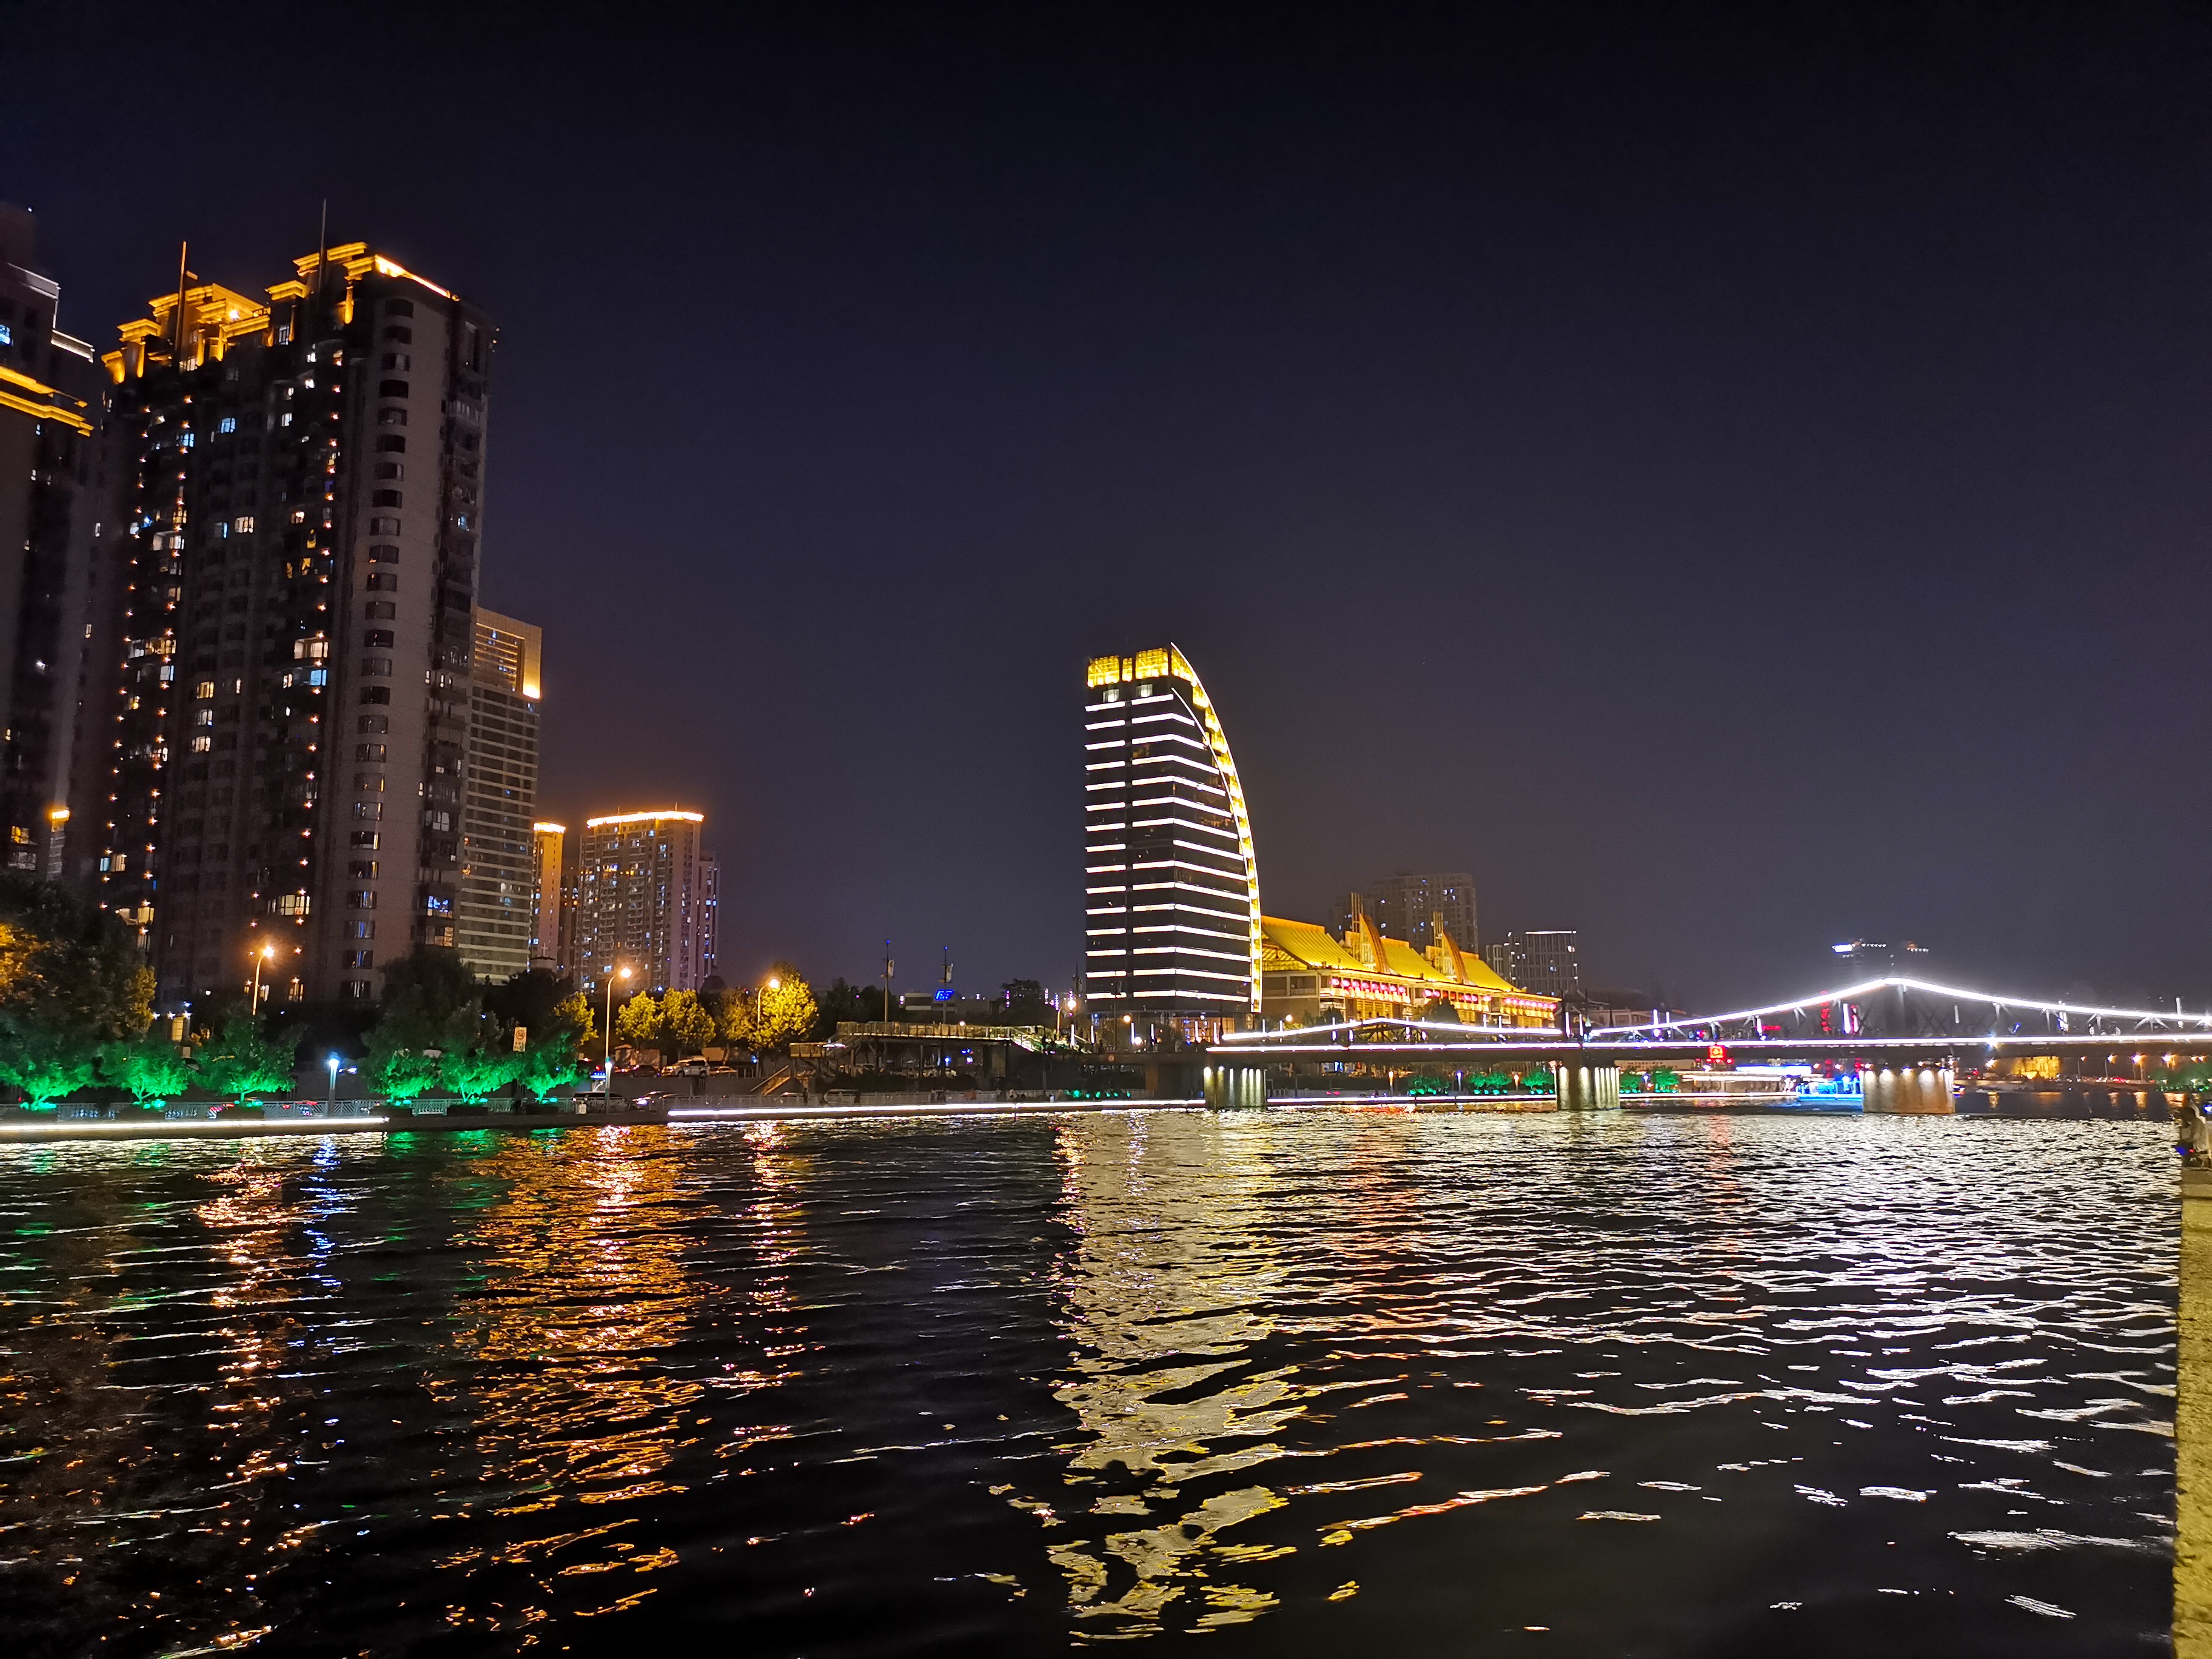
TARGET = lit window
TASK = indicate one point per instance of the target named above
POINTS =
(202, 743)
(204, 688)
(6, 335)
(228, 423)
(243, 523)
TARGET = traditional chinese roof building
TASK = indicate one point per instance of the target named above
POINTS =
(1310, 977)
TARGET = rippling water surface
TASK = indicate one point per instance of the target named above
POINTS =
(1305, 1382)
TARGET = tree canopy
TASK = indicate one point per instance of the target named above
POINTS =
(67, 968)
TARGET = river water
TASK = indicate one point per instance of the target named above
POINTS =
(1304, 1383)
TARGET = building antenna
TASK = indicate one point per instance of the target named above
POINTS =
(322, 258)
(178, 339)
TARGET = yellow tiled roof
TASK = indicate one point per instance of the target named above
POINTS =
(1305, 944)
(1293, 945)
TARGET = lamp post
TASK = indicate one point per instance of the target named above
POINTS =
(259, 957)
(619, 973)
(332, 1063)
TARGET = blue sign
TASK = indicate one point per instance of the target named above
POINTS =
(946, 994)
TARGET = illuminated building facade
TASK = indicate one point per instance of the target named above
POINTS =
(1172, 888)
(646, 900)
(495, 912)
(1309, 977)
(50, 388)
(1545, 961)
(1412, 908)
(552, 899)
(294, 559)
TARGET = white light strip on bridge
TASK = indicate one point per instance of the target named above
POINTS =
(1569, 1050)
(1848, 993)
(1392, 1024)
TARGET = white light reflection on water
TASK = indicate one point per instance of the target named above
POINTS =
(1311, 1382)
(1461, 1318)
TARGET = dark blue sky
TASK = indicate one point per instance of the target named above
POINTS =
(1731, 482)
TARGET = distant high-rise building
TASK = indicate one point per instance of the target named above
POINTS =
(1543, 961)
(552, 924)
(1406, 907)
(710, 899)
(51, 394)
(1173, 888)
(294, 557)
(494, 914)
(1864, 959)
(646, 900)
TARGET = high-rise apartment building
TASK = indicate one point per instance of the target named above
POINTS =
(1407, 907)
(646, 900)
(50, 388)
(495, 912)
(1172, 886)
(1860, 958)
(1545, 962)
(552, 901)
(295, 548)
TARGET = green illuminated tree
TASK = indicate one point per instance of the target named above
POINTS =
(432, 1007)
(151, 1068)
(241, 1063)
(400, 1074)
(552, 1065)
(45, 1064)
(476, 1073)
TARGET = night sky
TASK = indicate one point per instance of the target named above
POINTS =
(1730, 480)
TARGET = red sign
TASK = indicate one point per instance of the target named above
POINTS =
(1716, 1054)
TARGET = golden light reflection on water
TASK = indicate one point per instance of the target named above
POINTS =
(586, 1282)
(116, 1351)
(1164, 1291)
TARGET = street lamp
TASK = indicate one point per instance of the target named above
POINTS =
(332, 1062)
(619, 973)
(265, 953)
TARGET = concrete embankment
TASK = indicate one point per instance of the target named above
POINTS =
(291, 1119)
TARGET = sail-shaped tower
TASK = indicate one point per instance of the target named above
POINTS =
(1172, 887)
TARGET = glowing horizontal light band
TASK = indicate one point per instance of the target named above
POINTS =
(1144, 801)
(550, 829)
(1390, 1024)
(109, 1130)
(1229, 836)
(643, 818)
(68, 418)
(1848, 993)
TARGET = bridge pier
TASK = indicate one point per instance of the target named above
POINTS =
(1587, 1088)
(1908, 1089)
(1236, 1085)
